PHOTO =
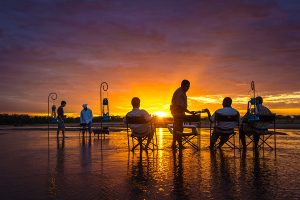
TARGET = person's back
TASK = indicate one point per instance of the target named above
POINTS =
(179, 102)
(137, 112)
(139, 128)
(262, 110)
(223, 129)
(226, 111)
(60, 112)
(254, 128)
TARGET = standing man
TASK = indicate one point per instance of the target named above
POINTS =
(178, 109)
(60, 118)
(86, 119)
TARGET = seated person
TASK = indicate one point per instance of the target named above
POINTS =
(140, 129)
(86, 118)
(223, 127)
(252, 128)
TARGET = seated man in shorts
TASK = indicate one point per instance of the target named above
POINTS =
(140, 129)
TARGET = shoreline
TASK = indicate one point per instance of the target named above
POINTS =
(114, 126)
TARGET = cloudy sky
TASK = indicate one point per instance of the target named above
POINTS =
(145, 48)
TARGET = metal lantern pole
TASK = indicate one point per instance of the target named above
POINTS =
(52, 96)
(103, 87)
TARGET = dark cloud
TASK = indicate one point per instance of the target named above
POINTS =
(67, 45)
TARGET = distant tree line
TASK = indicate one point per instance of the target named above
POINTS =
(23, 119)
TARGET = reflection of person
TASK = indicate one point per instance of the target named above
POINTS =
(222, 176)
(140, 129)
(86, 119)
(178, 109)
(60, 118)
(141, 178)
(227, 110)
(178, 171)
(86, 154)
(250, 128)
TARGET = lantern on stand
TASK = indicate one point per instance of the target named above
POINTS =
(104, 110)
(51, 117)
(252, 105)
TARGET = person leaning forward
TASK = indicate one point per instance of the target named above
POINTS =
(178, 109)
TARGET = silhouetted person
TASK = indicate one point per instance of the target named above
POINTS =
(252, 128)
(60, 118)
(178, 109)
(86, 119)
(140, 129)
(221, 127)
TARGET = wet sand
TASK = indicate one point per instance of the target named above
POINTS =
(88, 168)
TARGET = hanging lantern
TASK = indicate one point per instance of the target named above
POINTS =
(53, 111)
(105, 101)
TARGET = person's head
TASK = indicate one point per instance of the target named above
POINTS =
(84, 106)
(185, 85)
(135, 102)
(259, 100)
(227, 101)
(63, 103)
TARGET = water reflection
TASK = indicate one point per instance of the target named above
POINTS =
(179, 189)
(222, 176)
(79, 168)
(85, 153)
(56, 176)
(141, 179)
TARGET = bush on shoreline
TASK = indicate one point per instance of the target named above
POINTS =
(23, 119)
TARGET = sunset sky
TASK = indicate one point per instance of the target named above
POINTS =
(145, 48)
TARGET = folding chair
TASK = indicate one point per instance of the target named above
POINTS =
(189, 137)
(264, 134)
(230, 133)
(140, 139)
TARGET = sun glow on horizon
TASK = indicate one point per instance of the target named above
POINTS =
(160, 114)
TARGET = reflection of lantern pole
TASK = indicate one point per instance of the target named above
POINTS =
(103, 87)
(52, 96)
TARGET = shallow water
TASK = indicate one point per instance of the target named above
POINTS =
(77, 168)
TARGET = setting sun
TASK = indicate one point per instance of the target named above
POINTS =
(160, 114)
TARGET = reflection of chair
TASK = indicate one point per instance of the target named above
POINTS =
(140, 139)
(263, 134)
(189, 137)
(227, 136)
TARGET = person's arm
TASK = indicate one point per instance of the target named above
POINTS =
(147, 116)
(190, 112)
(91, 116)
(124, 119)
(81, 118)
(210, 118)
